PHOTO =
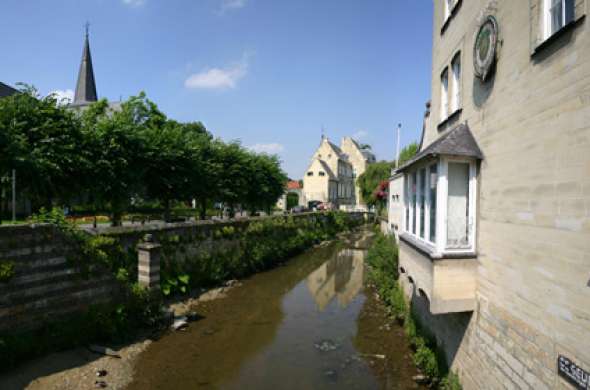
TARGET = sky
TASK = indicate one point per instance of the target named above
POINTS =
(269, 73)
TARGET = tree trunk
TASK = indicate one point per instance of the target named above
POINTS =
(203, 209)
(167, 217)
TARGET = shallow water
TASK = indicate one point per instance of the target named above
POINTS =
(309, 324)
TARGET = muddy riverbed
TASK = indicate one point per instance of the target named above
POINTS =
(312, 323)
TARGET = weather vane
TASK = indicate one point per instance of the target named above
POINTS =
(86, 27)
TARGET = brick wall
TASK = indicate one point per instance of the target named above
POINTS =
(44, 285)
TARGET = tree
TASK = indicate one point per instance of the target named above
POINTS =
(373, 176)
(116, 147)
(407, 153)
(40, 139)
(373, 182)
(267, 182)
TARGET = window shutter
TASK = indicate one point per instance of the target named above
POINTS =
(569, 11)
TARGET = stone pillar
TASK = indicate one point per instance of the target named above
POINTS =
(148, 253)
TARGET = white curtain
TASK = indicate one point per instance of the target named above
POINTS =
(458, 206)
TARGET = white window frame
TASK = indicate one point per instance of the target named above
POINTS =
(439, 246)
(444, 94)
(447, 9)
(547, 26)
(456, 85)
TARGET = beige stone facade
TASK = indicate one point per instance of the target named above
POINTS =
(332, 172)
(530, 199)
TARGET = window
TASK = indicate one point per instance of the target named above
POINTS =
(322, 173)
(422, 191)
(557, 13)
(309, 173)
(444, 95)
(433, 181)
(448, 7)
(442, 191)
(458, 206)
(456, 97)
(414, 214)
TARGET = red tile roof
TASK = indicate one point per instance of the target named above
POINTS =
(293, 185)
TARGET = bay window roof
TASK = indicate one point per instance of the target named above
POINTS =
(456, 142)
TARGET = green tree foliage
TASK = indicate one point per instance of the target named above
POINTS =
(40, 139)
(407, 153)
(373, 182)
(370, 180)
(111, 159)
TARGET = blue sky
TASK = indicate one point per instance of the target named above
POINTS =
(267, 72)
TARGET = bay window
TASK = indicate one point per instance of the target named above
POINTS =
(440, 210)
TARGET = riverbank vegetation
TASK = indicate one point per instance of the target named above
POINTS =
(383, 262)
(260, 245)
(125, 159)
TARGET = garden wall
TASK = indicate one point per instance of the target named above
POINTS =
(42, 278)
(37, 283)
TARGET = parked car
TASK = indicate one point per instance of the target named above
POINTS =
(313, 204)
(298, 209)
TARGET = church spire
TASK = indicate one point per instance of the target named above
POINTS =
(86, 86)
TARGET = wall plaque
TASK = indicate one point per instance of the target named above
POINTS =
(572, 373)
(484, 50)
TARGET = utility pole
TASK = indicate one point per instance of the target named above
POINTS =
(14, 195)
(399, 129)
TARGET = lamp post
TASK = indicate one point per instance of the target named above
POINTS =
(14, 195)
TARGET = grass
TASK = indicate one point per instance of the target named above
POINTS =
(383, 262)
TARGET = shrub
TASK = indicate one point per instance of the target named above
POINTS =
(6, 271)
(382, 259)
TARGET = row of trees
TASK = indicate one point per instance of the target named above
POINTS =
(374, 182)
(110, 159)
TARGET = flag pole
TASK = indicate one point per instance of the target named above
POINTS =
(399, 129)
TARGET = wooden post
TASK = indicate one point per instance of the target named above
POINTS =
(148, 253)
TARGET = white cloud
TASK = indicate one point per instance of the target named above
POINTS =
(134, 3)
(228, 5)
(272, 148)
(360, 134)
(63, 97)
(219, 78)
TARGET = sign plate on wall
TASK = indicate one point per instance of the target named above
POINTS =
(484, 50)
(572, 373)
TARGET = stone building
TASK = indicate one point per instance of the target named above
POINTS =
(494, 219)
(331, 176)
(360, 158)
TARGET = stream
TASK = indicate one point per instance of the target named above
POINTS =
(312, 323)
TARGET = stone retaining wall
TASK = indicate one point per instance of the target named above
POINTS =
(45, 286)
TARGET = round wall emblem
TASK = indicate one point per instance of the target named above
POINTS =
(484, 51)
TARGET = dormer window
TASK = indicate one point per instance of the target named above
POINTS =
(309, 173)
(322, 173)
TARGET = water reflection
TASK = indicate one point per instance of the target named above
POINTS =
(307, 325)
(340, 277)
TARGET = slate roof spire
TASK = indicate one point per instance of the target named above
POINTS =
(86, 86)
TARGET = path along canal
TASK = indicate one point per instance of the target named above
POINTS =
(312, 323)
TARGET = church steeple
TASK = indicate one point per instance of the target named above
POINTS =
(86, 86)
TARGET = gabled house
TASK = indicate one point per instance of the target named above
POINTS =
(329, 177)
(493, 213)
